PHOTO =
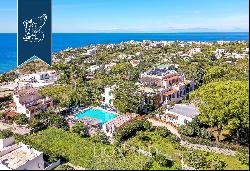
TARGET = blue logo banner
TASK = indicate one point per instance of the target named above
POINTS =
(34, 30)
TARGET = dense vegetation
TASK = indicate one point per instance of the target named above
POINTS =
(85, 152)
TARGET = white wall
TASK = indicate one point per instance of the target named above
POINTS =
(107, 96)
(6, 142)
(36, 164)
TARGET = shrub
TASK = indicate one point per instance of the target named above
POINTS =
(21, 119)
(53, 158)
(196, 160)
(2, 115)
(148, 164)
(147, 125)
(204, 133)
(163, 160)
(100, 137)
(163, 132)
(80, 129)
(6, 133)
(64, 167)
(218, 164)
(243, 158)
(173, 138)
(130, 129)
(186, 130)
(143, 137)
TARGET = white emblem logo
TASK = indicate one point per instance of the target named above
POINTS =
(33, 28)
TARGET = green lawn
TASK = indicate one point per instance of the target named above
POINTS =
(173, 150)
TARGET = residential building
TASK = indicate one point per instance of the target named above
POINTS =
(163, 85)
(108, 67)
(195, 50)
(38, 79)
(108, 96)
(19, 156)
(179, 114)
(93, 68)
(219, 51)
(28, 101)
(92, 51)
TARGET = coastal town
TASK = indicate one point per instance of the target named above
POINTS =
(178, 105)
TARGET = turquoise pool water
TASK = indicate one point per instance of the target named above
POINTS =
(101, 115)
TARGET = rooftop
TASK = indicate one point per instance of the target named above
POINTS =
(186, 110)
(19, 156)
(161, 70)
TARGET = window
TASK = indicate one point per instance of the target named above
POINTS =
(186, 121)
(110, 93)
(110, 101)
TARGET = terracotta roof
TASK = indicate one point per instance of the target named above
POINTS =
(11, 113)
(12, 104)
(170, 92)
(172, 116)
(171, 78)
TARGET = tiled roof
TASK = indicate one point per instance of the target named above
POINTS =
(170, 92)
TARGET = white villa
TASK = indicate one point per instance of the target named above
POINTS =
(180, 114)
(91, 51)
(40, 77)
(108, 96)
(28, 101)
(19, 156)
(219, 51)
(195, 50)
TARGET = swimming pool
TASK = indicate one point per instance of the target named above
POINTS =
(99, 114)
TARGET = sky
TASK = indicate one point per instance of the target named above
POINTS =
(99, 16)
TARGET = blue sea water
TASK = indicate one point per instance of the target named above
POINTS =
(61, 41)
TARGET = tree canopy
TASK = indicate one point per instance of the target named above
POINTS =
(224, 104)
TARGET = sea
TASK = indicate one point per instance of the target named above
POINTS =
(62, 41)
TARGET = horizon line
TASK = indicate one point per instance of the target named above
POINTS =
(138, 32)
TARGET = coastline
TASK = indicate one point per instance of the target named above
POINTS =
(62, 41)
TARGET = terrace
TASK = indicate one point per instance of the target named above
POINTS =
(19, 155)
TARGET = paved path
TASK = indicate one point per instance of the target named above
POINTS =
(168, 126)
(190, 145)
(22, 130)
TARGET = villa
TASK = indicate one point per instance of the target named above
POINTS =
(220, 51)
(19, 156)
(91, 52)
(28, 101)
(163, 85)
(38, 79)
(180, 114)
(195, 50)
